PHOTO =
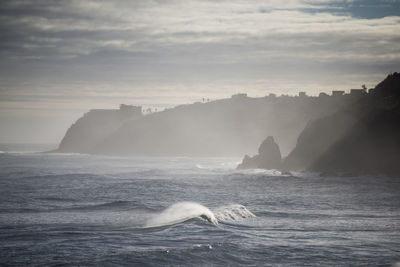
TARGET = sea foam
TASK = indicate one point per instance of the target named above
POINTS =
(183, 211)
(233, 213)
(180, 212)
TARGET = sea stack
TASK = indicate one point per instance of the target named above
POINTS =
(269, 156)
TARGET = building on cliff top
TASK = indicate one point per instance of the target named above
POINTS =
(239, 96)
(337, 93)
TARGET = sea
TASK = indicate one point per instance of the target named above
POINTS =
(85, 210)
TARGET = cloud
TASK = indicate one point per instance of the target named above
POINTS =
(75, 54)
(64, 31)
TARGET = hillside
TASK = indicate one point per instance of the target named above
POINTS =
(363, 138)
(226, 127)
(94, 127)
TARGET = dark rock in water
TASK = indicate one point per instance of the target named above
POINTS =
(269, 156)
(286, 173)
(248, 163)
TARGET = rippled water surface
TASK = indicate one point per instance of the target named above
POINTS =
(91, 210)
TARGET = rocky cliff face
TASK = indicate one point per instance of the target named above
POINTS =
(371, 146)
(94, 127)
(318, 137)
(362, 139)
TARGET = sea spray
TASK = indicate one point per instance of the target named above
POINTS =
(180, 212)
(232, 213)
(183, 211)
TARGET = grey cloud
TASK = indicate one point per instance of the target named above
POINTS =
(85, 33)
(168, 44)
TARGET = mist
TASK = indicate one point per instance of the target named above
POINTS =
(60, 60)
(226, 127)
(199, 133)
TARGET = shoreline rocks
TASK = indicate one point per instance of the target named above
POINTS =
(268, 157)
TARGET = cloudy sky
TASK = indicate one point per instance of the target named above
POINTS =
(62, 58)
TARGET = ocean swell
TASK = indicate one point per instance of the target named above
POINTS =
(180, 212)
(183, 211)
(233, 213)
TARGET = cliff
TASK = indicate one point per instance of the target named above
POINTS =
(317, 138)
(371, 146)
(363, 138)
(226, 127)
(94, 127)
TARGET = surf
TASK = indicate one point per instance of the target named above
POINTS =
(233, 213)
(184, 211)
(180, 212)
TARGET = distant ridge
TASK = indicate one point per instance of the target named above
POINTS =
(94, 127)
(225, 127)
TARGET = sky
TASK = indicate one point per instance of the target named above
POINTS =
(60, 59)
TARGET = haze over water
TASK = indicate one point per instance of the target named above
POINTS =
(93, 210)
(286, 86)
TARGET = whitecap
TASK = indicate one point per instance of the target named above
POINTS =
(183, 211)
(180, 212)
(233, 213)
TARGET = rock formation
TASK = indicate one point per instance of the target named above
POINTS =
(361, 139)
(316, 138)
(268, 157)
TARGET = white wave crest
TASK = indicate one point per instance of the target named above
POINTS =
(180, 212)
(232, 213)
(183, 211)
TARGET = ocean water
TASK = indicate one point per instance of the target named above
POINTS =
(137, 211)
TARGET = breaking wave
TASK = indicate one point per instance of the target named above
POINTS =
(180, 212)
(183, 211)
(233, 213)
